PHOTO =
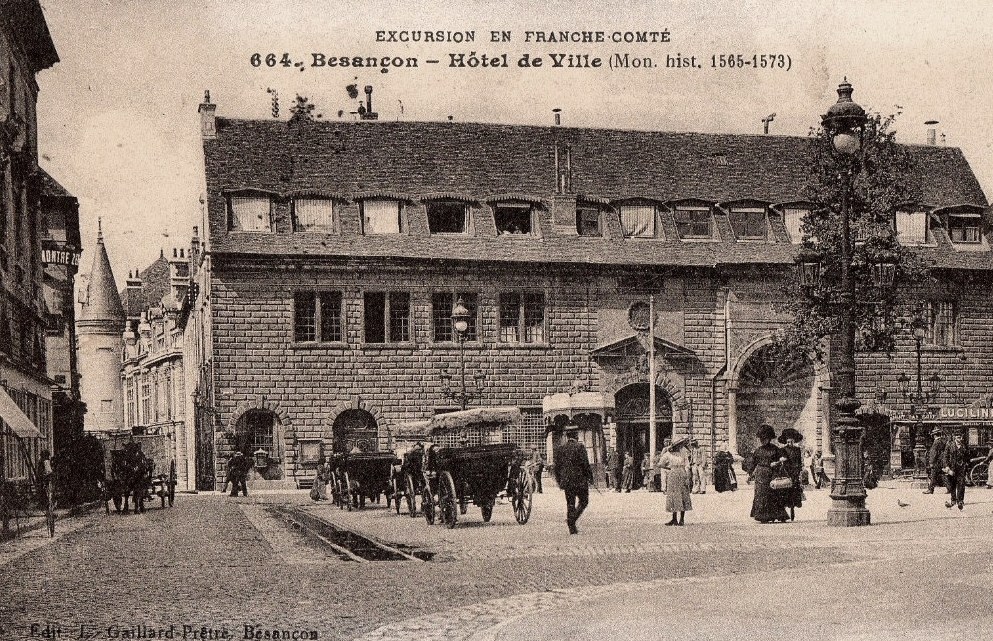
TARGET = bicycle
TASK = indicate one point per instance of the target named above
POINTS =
(978, 473)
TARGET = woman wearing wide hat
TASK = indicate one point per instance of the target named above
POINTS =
(792, 497)
(764, 466)
(676, 461)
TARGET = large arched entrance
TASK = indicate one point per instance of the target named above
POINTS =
(355, 429)
(777, 388)
(631, 406)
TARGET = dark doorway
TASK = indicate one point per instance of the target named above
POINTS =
(632, 405)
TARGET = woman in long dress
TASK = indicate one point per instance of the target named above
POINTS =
(724, 477)
(792, 497)
(678, 481)
(764, 465)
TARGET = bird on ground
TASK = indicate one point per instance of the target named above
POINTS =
(901, 503)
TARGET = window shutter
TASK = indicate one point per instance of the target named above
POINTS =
(250, 213)
(380, 216)
(638, 221)
(313, 214)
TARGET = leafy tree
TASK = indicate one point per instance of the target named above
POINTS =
(303, 109)
(883, 178)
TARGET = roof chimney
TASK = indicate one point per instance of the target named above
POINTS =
(558, 116)
(369, 113)
(931, 131)
(208, 129)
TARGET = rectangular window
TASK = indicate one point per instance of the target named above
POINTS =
(513, 219)
(964, 228)
(249, 213)
(446, 217)
(794, 217)
(317, 314)
(588, 221)
(441, 315)
(304, 317)
(942, 316)
(638, 221)
(693, 222)
(313, 214)
(387, 317)
(380, 216)
(749, 223)
(522, 315)
(912, 227)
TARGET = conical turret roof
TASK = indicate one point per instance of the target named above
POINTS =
(103, 303)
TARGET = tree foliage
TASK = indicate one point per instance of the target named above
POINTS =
(883, 180)
(302, 109)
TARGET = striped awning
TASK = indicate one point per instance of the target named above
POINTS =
(15, 418)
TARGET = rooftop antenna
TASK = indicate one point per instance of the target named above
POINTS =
(765, 123)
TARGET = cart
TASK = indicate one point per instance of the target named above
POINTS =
(356, 477)
(457, 472)
(407, 479)
(138, 468)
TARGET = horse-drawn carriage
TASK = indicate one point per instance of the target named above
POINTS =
(468, 461)
(136, 469)
(358, 476)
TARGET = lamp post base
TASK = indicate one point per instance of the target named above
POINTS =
(848, 514)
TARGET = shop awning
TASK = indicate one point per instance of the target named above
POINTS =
(15, 418)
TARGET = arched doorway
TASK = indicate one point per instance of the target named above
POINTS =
(259, 431)
(632, 405)
(778, 388)
(355, 428)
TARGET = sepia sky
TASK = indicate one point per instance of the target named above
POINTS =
(118, 124)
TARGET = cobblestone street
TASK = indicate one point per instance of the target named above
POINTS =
(225, 563)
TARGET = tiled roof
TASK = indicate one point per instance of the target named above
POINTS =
(154, 285)
(51, 187)
(103, 305)
(482, 161)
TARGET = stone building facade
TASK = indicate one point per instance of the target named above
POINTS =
(334, 252)
(61, 248)
(26, 48)
(151, 372)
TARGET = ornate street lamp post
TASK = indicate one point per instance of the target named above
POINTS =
(919, 399)
(460, 325)
(844, 127)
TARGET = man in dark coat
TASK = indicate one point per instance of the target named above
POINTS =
(238, 466)
(574, 475)
(934, 463)
(956, 465)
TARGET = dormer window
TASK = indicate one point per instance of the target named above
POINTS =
(380, 216)
(749, 223)
(249, 212)
(587, 221)
(313, 214)
(693, 222)
(638, 220)
(912, 227)
(793, 218)
(447, 217)
(963, 227)
(513, 219)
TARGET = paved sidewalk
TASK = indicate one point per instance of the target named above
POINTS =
(921, 571)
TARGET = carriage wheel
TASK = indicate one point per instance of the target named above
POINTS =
(427, 504)
(395, 486)
(411, 496)
(978, 474)
(172, 483)
(448, 500)
(487, 510)
(522, 498)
